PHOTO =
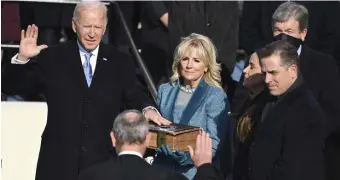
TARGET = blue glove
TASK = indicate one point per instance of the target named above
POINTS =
(179, 156)
(164, 149)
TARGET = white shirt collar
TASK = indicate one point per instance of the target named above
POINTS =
(299, 50)
(131, 153)
(83, 51)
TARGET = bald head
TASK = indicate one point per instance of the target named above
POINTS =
(130, 127)
(132, 116)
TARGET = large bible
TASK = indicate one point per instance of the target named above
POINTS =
(177, 136)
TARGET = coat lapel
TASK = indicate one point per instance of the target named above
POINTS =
(271, 114)
(169, 107)
(194, 102)
(302, 60)
(100, 67)
(75, 66)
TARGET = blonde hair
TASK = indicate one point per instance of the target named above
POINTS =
(206, 51)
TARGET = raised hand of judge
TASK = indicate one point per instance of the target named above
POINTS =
(203, 151)
(28, 43)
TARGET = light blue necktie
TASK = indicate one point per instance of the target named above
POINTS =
(88, 69)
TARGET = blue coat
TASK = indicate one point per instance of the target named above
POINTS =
(207, 108)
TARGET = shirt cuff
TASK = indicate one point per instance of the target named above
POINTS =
(15, 60)
(150, 108)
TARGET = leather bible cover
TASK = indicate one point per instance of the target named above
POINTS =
(177, 136)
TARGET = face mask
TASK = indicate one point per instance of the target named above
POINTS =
(292, 40)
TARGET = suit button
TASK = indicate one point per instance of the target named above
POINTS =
(83, 149)
(86, 124)
(209, 24)
(86, 100)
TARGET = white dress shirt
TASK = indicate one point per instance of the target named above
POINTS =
(299, 50)
(148, 159)
(131, 153)
(93, 59)
(82, 51)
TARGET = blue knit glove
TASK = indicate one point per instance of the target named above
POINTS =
(164, 149)
(179, 156)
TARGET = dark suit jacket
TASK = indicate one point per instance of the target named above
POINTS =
(153, 31)
(154, 40)
(287, 141)
(320, 73)
(132, 167)
(117, 35)
(216, 19)
(79, 118)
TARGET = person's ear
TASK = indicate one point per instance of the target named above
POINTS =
(113, 139)
(293, 71)
(303, 34)
(104, 29)
(74, 26)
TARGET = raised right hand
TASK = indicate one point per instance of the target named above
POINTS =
(203, 151)
(28, 43)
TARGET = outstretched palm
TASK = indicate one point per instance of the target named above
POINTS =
(203, 150)
(28, 43)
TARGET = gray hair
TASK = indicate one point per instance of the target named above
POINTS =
(129, 129)
(89, 5)
(289, 10)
